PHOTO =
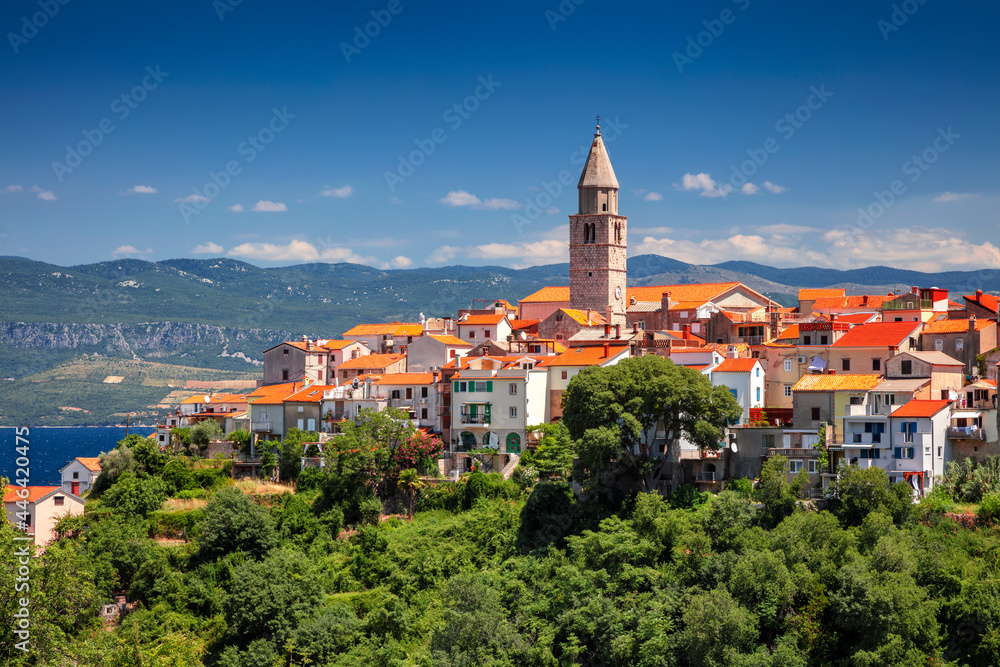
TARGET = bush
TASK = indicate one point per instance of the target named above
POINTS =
(493, 485)
(310, 479)
(441, 496)
(989, 508)
(333, 521)
(192, 493)
(742, 487)
(688, 497)
(234, 523)
(134, 495)
(178, 477)
(936, 502)
(371, 510)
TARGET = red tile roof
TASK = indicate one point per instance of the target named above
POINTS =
(828, 382)
(735, 366)
(517, 325)
(697, 292)
(879, 334)
(371, 361)
(407, 378)
(311, 394)
(273, 394)
(480, 320)
(955, 326)
(587, 318)
(985, 300)
(386, 329)
(789, 333)
(917, 408)
(591, 355)
(35, 493)
(337, 344)
(91, 463)
(448, 339)
(811, 294)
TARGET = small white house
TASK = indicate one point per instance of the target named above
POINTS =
(37, 509)
(78, 476)
(745, 379)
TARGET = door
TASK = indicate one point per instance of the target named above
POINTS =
(74, 488)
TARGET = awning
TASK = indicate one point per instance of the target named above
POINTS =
(966, 414)
(817, 364)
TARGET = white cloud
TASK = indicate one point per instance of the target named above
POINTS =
(749, 189)
(552, 247)
(207, 249)
(235, 208)
(47, 195)
(776, 189)
(916, 248)
(705, 183)
(952, 196)
(552, 210)
(191, 199)
(141, 190)
(266, 206)
(463, 198)
(345, 191)
(401, 262)
(13, 188)
(444, 254)
(653, 196)
(298, 251)
(130, 250)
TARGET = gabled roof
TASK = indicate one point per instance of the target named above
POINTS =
(736, 366)
(35, 493)
(987, 301)
(480, 320)
(337, 344)
(386, 329)
(581, 316)
(406, 379)
(517, 325)
(828, 382)
(590, 355)
(810, 294)
(448, 339)
(879, 334)
(311, 394)
(91, 463)
(559, 294)
(790, 332)
(934, 357)
(597, 171)
(273, 394)
(917, 408)
(955, 326)
(371, 361)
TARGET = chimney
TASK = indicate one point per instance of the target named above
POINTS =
(979, 294)
(609, 314)
(618, 331)
(864, 300)
(916, 290)
(732, 352)
(635, 328)
(687, 332)
(588, 317)
(607, 350)
(607, 329)
(972, 324)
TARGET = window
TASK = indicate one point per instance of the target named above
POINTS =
(284, 374)
(27, 520)
(423, 413)
(472, 335)
(788, 390)
(807, 340)
(513, 388)
(486, 333)
(944, 394)
(409, 392)
(558, 317)
(794, 466)
(285, 351)
(758, 394)
(756, 371)
(343, 374)
(906, 367)
(302, 409)
(856, 400)
(767, 441)
(423, 392)
(813, 466)
(513, 412)
(939, 344)
(815, 414)
(870, 454)
(76, 475)
(903, 453)
(482, 386)
(824, 339)
(58, 501)
(959, 344)
(788, 365)
(898, 319)
(845, 364)
(462, 386)
(876, 364)
(684, 314)
(564, 373)
(393, 394)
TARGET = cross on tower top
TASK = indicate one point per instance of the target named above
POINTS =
(598, 123)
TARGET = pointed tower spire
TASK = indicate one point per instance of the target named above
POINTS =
(597, 171)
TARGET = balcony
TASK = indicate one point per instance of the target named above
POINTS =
(869, 410)
(965, 433)
(474, 420)
(792, 452)
(750, 340)
(706, 477)
(851, 438)
(261, 426)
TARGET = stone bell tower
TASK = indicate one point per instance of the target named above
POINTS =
(598, 240)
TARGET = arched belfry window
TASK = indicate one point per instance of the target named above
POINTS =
(604, 207)
(593, 232)
(586, 233)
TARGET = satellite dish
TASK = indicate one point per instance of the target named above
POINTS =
(524, 336)
(208, 399)
(733, 447)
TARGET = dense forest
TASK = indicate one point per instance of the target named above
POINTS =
(368, 562)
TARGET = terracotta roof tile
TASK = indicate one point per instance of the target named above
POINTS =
(986, 300)
(371, 361)
(580, 316)
(91, 463)
(407, 378)
(789, 333)
(337, 344)
(35, 493)
(736, 366)
(273, 394)
(448, 339)
(590, 355)
(810, 294)
(879, 334)
(698, 293)
(827, 382)
(311, 394)
(955, 326)
(917, 408)
(386, 329)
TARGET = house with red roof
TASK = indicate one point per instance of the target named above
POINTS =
(865, 348)
(432, 351)
(962, 339)
(302, 408)
(565, 323)
(918, 445)
(267, 411)
(339, 351)
(414, 393)
(78, 476)
(917, 305)
(982, 305)
(808, 296)
(945, 374)
(296, 361)
(565, 367)
(385, 338)
(477, 328)
(37, 509)
(744, 378)
(370, 364)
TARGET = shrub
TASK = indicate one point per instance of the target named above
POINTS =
(936, 502)
(371, 510)
(989, 508)
(134, 495)
(310, 479)
(233, 522)
(742, 487)
(441, 496)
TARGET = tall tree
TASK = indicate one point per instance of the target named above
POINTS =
(633, 415)
(365, 450)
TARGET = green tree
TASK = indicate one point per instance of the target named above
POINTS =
(290, 452)
(553, 456)
(858, 493)
(774, 492)
(204, 432)
(135, 495)
(241, 439)
(113, 464)
(476, 630)
(717, 630)
(409, 482)
(617, 412)
(233, 522)
(177, 475)
(364, 451)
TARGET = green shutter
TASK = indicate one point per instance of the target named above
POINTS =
(456, 386)
(472, 410)
(489, 385)
(488, 413)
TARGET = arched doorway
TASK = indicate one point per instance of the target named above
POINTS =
(513, 443)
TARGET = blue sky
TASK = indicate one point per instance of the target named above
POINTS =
(114, 120)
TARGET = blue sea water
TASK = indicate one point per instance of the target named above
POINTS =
(49, 449)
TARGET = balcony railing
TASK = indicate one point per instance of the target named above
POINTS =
(965, 433)
(705, 477)
(792, 452)
(474, 420)
(862, 439)
(750, 340)
(869, 410)
(260, 426)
